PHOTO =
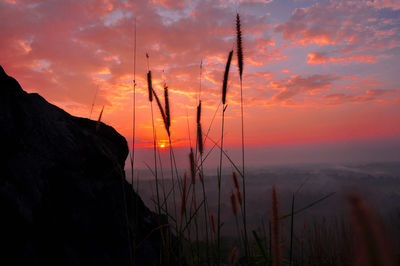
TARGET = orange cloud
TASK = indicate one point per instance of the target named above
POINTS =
(322, 58)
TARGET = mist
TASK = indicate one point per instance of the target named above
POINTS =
(335, 152)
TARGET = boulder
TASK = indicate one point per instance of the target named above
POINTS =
(64, 199)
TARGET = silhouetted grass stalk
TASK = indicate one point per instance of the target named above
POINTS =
(238, 197)
(234, 207)
(200, 169)
(93, 102)
(193, 182)
(239, 47)
(183, 196)
(201, 175)
(166, 116)
(373, 245)
(291, 233)
(171, 155)
(99, 119)
(276, 233)
(150, 91)
(150, 94)
(165, 197)
(224, 92)
(132, 157)
(233, 257)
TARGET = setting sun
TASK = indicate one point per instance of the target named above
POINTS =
(162, 144)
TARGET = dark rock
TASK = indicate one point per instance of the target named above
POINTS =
(64, 199)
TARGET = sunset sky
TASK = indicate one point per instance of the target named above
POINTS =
(314, 71)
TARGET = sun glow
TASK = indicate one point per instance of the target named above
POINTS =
(162, 144)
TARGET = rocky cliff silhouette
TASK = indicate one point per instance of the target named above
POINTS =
(63, 195)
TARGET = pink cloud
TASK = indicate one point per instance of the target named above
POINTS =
(172, 4)
(297, 85)
(323, 58)
(383, 92)
(365, 84)
(342, 98)
(377, 95)
(327, 89)
(355, 25)
(393, 4)
(96, 45)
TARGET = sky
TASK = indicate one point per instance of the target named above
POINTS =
(315, 72)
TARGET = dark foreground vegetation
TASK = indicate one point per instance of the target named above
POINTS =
(322, 233)
(356, 237)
